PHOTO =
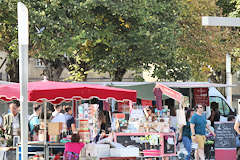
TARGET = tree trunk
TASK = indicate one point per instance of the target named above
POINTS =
(12, 69)
(53, 69)
(118, 75)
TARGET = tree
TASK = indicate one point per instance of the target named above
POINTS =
(131, 35)
(205, 47)
(8, 38)
(115, 31)
(53, 24)
(164, 30)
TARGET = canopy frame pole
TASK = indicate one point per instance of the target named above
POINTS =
(45, 131)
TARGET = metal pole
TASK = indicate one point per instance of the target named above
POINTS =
(228, 79)
(45, 131)
(23, 73)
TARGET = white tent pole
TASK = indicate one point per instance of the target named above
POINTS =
(22, 13)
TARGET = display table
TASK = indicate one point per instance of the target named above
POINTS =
(41, 148)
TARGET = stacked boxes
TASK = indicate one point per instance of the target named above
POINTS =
(84, 131)
(87, 121)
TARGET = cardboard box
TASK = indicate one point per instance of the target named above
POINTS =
(55, 128)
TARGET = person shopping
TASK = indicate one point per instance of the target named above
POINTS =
(185, 134)
(198, 125)
(57, 116)
(70, 122)
(11, 122)
(149, 114)
(34, 122)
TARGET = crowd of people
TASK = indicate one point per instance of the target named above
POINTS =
(10, 123)
(195, 130)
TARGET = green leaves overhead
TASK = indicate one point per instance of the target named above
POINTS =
(205, 47)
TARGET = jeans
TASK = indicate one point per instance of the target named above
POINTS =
(187, 142)
(237, 142)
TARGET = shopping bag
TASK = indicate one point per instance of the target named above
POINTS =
(181, 118)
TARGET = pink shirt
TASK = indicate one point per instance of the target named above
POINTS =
(74, 147)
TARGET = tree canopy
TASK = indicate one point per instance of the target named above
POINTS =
(205, 47)
(117, 36)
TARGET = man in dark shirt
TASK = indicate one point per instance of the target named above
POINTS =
(70, 122)
(215, 114)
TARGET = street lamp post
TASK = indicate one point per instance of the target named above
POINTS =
(226, 22)
(22, 13)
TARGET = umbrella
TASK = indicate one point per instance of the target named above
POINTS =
(56, 92)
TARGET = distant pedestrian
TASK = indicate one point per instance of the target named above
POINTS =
(198, 126)
(215, 114)
(185, 134)
(70, 122)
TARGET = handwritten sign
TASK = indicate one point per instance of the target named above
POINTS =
(141, 141)
(225, 135)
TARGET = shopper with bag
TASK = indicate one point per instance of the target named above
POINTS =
(198, 124)
(185, 134)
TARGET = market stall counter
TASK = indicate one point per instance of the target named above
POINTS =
(149, 144)
(37, 148)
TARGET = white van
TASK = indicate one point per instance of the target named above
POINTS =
(186, 88)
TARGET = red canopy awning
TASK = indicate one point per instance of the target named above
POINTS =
(56, 92)
(170, 92)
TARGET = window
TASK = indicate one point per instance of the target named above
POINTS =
(39, 63)
(222, 105)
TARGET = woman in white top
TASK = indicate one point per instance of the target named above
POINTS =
(57, 116)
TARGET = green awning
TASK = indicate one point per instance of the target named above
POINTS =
(144, 91)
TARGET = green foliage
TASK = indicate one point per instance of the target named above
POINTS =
(130, 35)
(227, 6)
(205, 47)
(117, 34)
(164, 32)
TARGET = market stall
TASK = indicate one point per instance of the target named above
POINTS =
(139, 131)
(57, 92)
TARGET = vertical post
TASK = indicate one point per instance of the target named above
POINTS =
(22, 12)
(190, 98)
(45, 131)
(74, 104)
(228, 79)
